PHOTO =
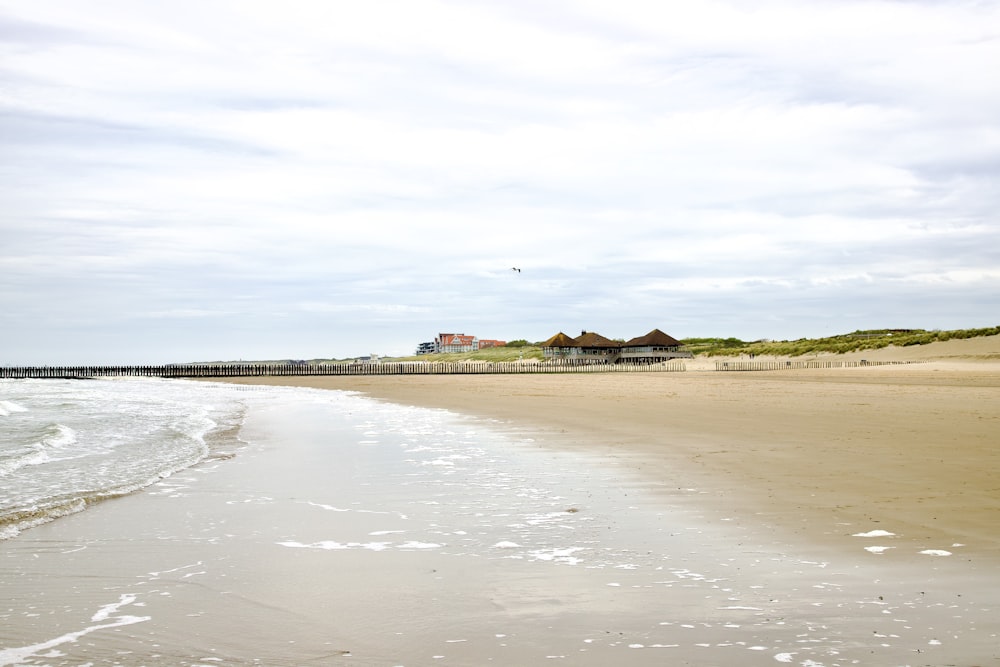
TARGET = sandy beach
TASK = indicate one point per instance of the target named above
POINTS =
(821, 453)
(821, 518)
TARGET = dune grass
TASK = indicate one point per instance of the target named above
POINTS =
(525, 352)
(871, 339)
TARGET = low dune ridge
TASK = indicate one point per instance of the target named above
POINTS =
(983, 348)
(979, 349)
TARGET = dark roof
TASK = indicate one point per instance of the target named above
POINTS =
(591, 339)
(559, 340)
(654, 338)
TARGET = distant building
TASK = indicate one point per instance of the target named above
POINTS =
(651, 348)
(453, 342)
(591, 348)
(372, 358)
(559, 346)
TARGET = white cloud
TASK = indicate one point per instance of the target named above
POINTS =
(375, 169)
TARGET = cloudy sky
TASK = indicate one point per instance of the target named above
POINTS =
(225, 179)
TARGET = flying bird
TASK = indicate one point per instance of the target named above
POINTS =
(516, 269)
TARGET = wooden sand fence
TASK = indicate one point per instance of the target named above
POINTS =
(791, 365)
(279, 370)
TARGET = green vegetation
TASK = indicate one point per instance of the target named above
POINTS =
(715, 346)
(507, 353)
(872, 339)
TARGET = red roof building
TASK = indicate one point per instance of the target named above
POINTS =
(452, 342)
(456, 342)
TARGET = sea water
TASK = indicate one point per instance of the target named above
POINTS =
(66, 444)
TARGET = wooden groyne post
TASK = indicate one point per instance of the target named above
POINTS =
(279, 370)
(796, 365)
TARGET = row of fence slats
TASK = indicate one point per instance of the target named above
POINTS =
(271, 370)
(787, 365)
(394, 368)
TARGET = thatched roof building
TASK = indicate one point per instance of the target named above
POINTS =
(595, 340)
(592, 347)
(654, 338)
(560, 340)
(654, 347)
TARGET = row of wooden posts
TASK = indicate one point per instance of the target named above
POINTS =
(400, 368)
(382, 368)
(789, 365)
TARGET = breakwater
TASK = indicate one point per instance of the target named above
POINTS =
(382, 368)
(405, 368)
(791, 365)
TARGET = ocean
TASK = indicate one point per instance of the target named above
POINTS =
(169, 522)
(67, 444)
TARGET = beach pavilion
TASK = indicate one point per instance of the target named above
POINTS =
(593, 348)
(559, 347)
(654, 347)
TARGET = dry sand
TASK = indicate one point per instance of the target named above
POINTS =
(912, 449)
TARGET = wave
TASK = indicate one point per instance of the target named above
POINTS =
(80, 446)
(55, 437)
(195, 426)
(34, 457)
(14, 522)
(60, 437)
(7, 407)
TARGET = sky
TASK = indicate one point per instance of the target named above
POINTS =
(241, 179)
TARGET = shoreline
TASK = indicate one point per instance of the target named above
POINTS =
(531, 522)
(816, 454)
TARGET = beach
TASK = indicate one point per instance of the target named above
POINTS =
(824, 453)
(812, 517)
